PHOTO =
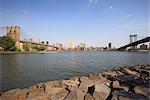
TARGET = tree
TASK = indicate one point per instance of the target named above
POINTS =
(26, 47)
(39, 47)
(7, 43)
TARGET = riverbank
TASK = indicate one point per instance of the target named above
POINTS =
(42, 52)
(128, 82)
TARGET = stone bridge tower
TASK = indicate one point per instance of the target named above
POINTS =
(14, 33)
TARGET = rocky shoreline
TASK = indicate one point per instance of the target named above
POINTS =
(123, 83)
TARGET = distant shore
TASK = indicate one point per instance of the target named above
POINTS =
(38, 52)
(127, 82)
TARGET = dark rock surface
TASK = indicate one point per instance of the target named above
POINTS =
(123, 83)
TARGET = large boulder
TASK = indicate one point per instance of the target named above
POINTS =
(133, 73)
(110, 73)
(52, 84)
(73, 83)
(83, 88)
(54, 90)
(11, 95)
(72, 95)
(142, 90)
(88, 97)
(38, 96)
(60, 95)
(23, 94)
(116, 85)
(101, 92)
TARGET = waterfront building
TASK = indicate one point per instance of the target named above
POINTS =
(143, 47)
(72, 45)
(60, 46)
(81, 46)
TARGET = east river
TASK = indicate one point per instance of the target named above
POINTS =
(24, 70)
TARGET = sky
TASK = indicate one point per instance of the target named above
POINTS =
(94, 22)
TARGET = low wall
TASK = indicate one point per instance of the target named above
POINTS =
(123, 83)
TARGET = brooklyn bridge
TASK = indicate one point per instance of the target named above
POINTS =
(15, 33)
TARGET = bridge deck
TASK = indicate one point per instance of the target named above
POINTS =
(38, 43)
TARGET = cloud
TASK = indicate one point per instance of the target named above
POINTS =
(93, 1)
(129, 15)
(110, 7)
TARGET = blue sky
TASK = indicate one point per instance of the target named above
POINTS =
(94, 22)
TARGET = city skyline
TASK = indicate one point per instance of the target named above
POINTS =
(94, 22)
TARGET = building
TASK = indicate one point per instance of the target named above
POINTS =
(14, 33)
(60, 46)
(81, 46)
(143, 47)
(72, 45)
(109, 45)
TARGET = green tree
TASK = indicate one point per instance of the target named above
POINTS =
(41, 47)
(26, 47)
(7, 43)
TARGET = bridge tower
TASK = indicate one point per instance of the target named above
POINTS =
(133, 38)
(14, 33)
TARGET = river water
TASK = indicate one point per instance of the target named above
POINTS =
(24, 70)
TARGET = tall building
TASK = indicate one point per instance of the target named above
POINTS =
(109, 45)
(72, 45)
(14, 33)
(81, 46)
(59, 45)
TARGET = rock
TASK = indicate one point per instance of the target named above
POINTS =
(74, 78)
(110, 73)
(124, 98)
(12, 91)
(72, 95)
(134, 73)
(41, 86)
(119, 72)
(10, 95)
(114, 97)
(116, 85)
(102, 79)
(51, 84)
(23, 94)
(32, 90)
(54, 90)
(130, 95)
(88, 97)
(81, 91)
(142, 90)
(101, 92)
(38, 96)
(145, 72)
(60, 96)
(73, 83)
(83, 88)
